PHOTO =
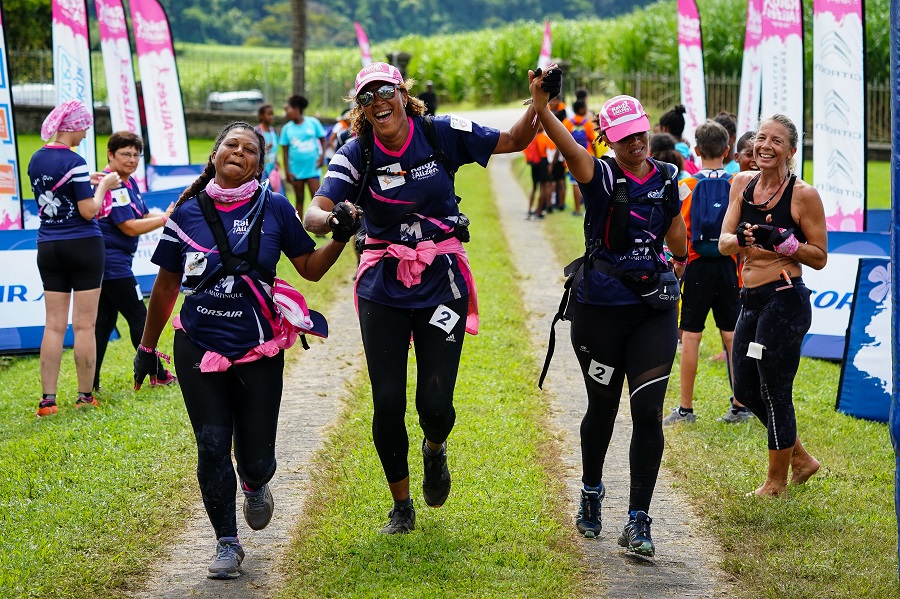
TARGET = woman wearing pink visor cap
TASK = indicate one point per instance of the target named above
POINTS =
(624, 320)
(414, 276)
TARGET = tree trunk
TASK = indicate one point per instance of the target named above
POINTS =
(298, 46)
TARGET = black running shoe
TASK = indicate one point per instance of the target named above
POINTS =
(436, 482)
(403, 520)
(258, 508)
(588, 519)
(636, 536)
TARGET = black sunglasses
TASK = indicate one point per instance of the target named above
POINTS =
(385, 92)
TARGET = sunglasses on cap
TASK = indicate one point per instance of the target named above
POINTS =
(385, 92)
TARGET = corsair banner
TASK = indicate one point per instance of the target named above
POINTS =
(123, 102)
(839, 112)
(690, 62)
(10, 196)
(782, 65)
(751, 71)
(160, 87)
(72, 64)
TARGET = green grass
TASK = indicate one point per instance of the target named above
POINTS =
(500, 534)
(836, 536)
(88, 497)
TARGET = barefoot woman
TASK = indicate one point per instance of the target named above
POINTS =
(777, 222)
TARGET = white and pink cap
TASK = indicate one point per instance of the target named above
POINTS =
(377, 71)
(623, 116)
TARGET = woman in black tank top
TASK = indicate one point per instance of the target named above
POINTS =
(776, 222)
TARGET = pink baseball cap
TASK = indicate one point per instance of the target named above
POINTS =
(623, 116)
(377, 71)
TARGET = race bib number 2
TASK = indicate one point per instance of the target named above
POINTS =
(444, 318)
(600, 372)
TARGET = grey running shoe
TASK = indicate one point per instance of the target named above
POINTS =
(732, 417)
(258, 508)
(588, 520)
(436, 481)
(403, 520)
(636, 535)
(677, 416)
(227, 563)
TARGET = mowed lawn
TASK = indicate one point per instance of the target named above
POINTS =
(88, 498)
(836, 536)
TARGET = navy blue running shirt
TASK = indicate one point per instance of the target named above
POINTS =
(413, 207)
(59, 178)
(646, 227)
(233, 314)
(127, 204)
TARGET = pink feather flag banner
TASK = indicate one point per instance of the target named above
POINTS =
(160, 86)
(72, 64)
(124, 112)
(10, 195)
(364, 51)
(546, 47)
(690, 63)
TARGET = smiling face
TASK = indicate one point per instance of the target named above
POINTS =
(237, 159)
(124, 161)
(773, 147)
(745, 159)
(631, 151)
(388, 117)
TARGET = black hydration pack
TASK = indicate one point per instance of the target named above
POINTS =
(233, 262)
(367, 145)
(614, 236)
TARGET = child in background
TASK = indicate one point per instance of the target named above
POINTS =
(266, 117)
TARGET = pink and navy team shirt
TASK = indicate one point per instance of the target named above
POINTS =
(60, 178)
(413, 207)
(647, 229)
(232, 314)
(127, 204)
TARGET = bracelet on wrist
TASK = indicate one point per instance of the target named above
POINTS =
(680, 259)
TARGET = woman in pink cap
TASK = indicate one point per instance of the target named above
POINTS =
(70, 254)
(414, 277)
(625, 316)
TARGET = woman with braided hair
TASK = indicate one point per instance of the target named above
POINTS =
(236, 322)
(776, 221)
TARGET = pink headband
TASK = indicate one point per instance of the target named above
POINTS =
(71, 115)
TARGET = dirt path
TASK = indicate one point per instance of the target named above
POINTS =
(685, 565)
(311, 402)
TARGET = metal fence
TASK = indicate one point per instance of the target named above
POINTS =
(658, 92)
(662, 92)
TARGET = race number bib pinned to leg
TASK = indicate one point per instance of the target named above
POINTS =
(444, 318)
(600, 372)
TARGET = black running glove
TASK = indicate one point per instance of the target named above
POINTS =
(768, 237)
(145, 364)
(552, 83)
(343, 223)
(741, 238)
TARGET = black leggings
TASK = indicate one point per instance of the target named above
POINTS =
(241, 403)
(386, 339)
(120, 295)
(612, 342)
(777, 320)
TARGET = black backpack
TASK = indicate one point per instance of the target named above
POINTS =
(614, 236)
